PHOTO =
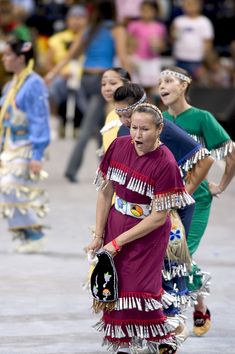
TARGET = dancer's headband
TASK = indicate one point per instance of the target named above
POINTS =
(131, 107)
(175, 74)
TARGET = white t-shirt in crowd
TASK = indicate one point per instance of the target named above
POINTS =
(190, 36)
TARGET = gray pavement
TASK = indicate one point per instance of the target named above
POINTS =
(43, 308)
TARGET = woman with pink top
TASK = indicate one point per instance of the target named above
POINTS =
(147, 38)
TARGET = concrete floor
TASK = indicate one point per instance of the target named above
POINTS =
(43, 307)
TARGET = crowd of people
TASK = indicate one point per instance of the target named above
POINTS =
(169, 27)
(154, 197)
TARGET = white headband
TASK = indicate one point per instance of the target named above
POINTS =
(131, 107)
(149, 105)
(175, 74)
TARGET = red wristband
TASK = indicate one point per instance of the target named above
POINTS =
(115, 245)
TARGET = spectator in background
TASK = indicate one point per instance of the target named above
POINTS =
(213, 73)
(27, 5)
(12, 21)
(48, 17)
(59, 44)
(147, 36)
(222, 15)
(192, 37)
(127, 10)
(232, 62)
(101, 44)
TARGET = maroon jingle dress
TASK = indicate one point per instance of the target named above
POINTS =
(151, 179)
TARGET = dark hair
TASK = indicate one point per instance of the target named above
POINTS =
(104, 10)
(124, 74)
(130, 93)
(154, 5)
(151, 109)
(20, 47)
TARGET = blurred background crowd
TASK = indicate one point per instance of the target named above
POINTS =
(196, 35)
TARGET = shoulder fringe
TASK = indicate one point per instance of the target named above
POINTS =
(114, 123)
(193, 160)
(118, 173)
(100, 152)
(100, 180)
(177, 199)
(222, 151)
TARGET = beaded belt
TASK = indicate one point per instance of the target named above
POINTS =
(139, 211)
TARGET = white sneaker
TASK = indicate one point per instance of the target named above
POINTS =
(31, 246)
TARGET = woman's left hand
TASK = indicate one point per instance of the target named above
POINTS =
(109, 247)
(35, 166)
(214, 189)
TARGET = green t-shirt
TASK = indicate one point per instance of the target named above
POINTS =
(202, 126)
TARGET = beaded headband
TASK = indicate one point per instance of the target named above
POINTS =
(131, 107)
(149, 105)
(175, 74)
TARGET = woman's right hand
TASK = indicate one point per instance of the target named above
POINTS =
(95, 244)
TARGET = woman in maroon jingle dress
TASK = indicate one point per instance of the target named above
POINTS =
(147, 184)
